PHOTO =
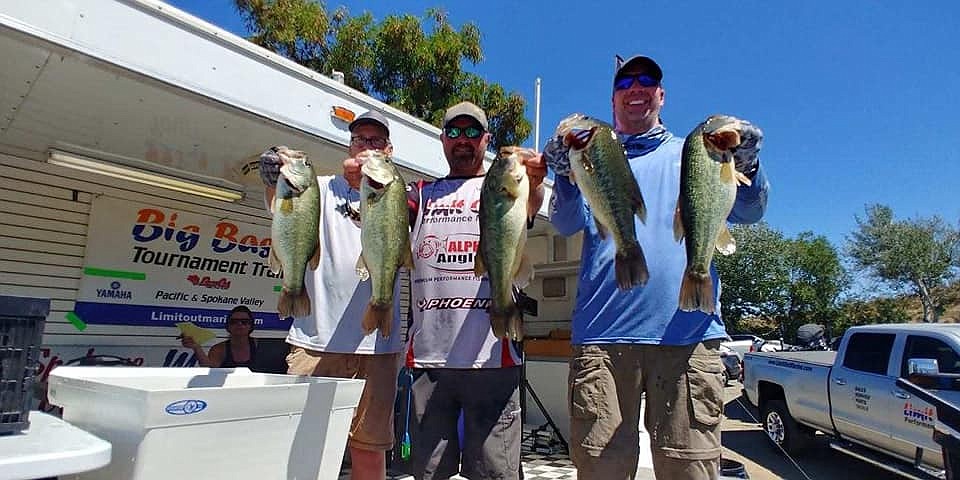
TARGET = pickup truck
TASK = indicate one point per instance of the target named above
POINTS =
(851, 395)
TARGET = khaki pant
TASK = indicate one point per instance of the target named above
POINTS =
(372, 426)
(684, 395)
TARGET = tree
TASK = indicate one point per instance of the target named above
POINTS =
(817, 278)
(783, 282)
(916, 255)
(869, 312)
(408, 62)
(755, 279)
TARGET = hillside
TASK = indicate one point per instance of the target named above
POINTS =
(950, 315)
(909, 305)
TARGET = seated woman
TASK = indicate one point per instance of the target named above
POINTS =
(240, 350)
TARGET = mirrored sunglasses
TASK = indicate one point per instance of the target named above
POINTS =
(624, 82)
(469, 132)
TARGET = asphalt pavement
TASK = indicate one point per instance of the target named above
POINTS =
(744, 441)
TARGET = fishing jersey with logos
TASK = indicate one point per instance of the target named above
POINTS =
(451, 328)
(643, 315)
(338, 298)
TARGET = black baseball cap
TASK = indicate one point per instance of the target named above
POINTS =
(370, 116)
(649, 66)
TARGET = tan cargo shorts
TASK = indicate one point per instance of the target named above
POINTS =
(684, 405)
(372, 426)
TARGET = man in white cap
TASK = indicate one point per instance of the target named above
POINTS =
(330, 342)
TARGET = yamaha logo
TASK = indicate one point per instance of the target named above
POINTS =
(114, 292)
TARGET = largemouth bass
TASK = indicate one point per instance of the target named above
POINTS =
(384, 236)
(503, 236)
(708, 189)
(295, 242)
(599, 167)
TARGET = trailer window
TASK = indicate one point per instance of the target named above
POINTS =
(869, 352)
(919, 346)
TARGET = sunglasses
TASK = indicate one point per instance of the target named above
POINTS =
(373, 142)
(624, 82)
(469, 132)
(242, 321)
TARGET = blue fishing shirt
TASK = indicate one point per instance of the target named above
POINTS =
(644, 315)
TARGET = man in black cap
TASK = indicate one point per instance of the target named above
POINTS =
(330, 342)
(632, 343)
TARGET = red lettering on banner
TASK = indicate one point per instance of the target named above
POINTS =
(227, 231)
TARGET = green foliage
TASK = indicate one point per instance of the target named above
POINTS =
(917, 255)
(817, 278)
(868, 312)
(296, 29)
(755, 278)
(772, 282)
(412, 63)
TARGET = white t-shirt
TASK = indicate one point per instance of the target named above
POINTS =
(337, 295)
(451, 328)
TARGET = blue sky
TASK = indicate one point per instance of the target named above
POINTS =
(859, 100)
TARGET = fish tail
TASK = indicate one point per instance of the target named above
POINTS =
(515, 325)
(293, 303)
(377, 316)
(501, 319)
(696, 292)
(631, 267)
(507, 322)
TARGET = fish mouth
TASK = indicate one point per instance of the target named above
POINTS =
(376, 177)
(576, 120)
(723, 140)
(507, 152)
(520, 152)
(297, 187)
(375, 166)
(722, 133)
(296, 179)
(579, 139)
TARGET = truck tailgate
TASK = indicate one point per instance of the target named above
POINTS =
(798, 378)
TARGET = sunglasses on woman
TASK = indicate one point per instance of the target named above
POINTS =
(469, 132)
(242, 321)
(624, 82)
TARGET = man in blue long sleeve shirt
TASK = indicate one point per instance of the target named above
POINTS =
(627, 343)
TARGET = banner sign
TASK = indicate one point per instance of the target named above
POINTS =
(156, 266)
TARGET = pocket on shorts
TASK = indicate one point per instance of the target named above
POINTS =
(594, 413)
(511, 430)
(705, 388)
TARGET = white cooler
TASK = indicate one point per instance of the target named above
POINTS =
(209, 422)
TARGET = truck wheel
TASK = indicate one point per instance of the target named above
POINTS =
(726, 377)
(782, 429)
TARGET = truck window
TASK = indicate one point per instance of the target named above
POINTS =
(919, 346)
(869, 352)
